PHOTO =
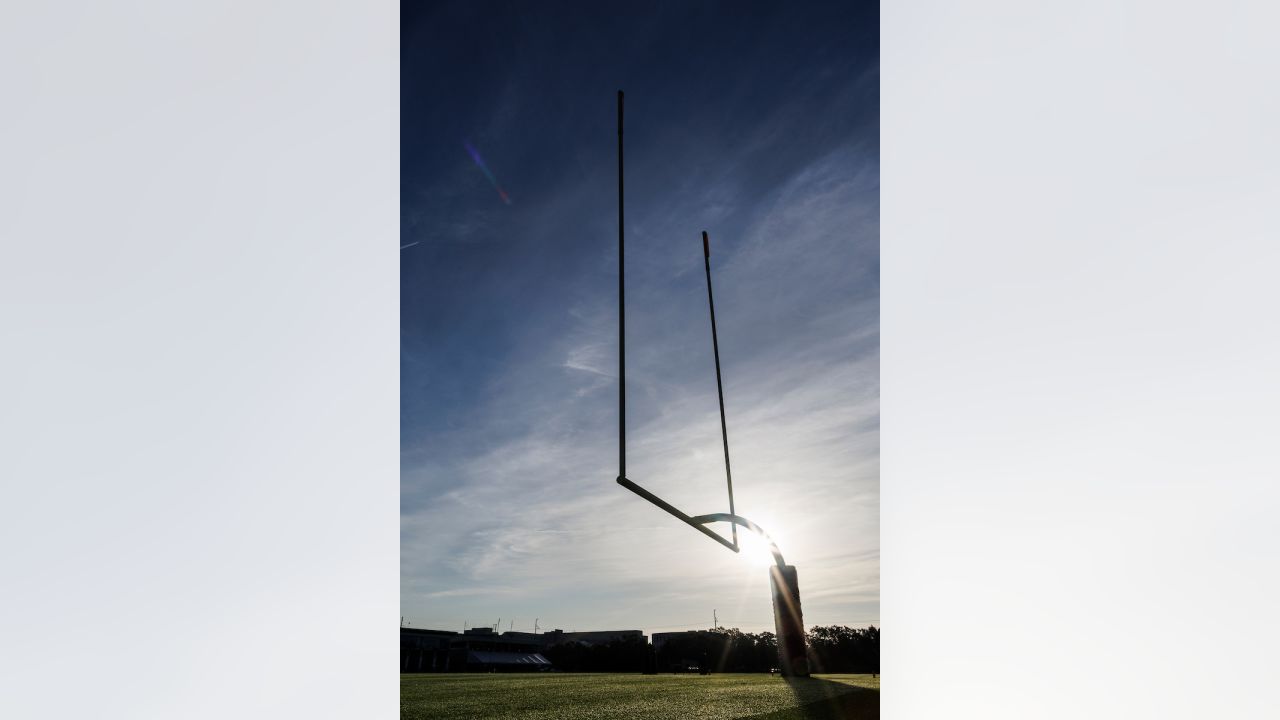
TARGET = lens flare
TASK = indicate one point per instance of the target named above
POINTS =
(475, 155)
(755, 551)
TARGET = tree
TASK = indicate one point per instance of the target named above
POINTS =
(836, 648)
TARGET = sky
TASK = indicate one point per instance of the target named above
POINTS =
(755, 121)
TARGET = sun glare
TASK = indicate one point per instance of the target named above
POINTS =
(755, 549)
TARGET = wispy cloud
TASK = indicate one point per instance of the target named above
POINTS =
(532, 522)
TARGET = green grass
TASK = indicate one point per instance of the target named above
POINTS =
(567, 696)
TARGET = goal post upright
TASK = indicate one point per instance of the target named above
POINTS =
(788, 619)
(715, 348)
(622, 318)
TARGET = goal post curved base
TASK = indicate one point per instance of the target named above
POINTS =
(788, 618)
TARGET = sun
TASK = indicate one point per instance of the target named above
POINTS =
(755, 549)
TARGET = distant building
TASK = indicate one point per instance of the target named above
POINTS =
(690, 651)
(592, 637)
(476, 650)
(530, 637)
(484, 650)
(424, 650)
(660, 639)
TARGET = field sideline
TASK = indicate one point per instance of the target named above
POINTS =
(605, 696)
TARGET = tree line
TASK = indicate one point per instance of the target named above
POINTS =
(832, 649)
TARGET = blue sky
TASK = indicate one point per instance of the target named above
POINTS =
(757, 122)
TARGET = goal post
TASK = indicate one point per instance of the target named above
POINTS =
(788, 618)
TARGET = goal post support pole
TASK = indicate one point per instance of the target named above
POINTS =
(788, 621)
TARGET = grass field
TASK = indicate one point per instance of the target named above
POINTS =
(566, 696)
